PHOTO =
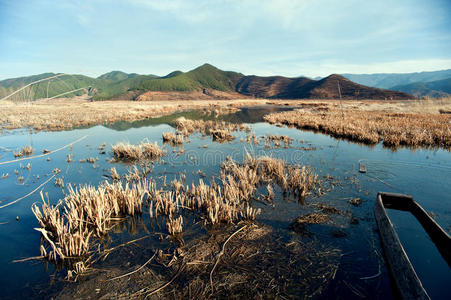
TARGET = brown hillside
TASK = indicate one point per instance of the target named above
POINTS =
(206, 94)
(327, 88)
(301, 87)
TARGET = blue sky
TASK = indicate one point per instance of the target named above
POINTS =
(285, 37)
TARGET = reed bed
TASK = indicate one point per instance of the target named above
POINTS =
(172, 138)
(25, 151)
(277, 140)
(84, 213)
(175, 226)
(297, 180)
(221, 131)
(114, 174)
(66, 113)
(221, 135)
(87, 213)
(145, 150)
(371, 127)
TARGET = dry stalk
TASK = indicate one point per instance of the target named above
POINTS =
(221, 254)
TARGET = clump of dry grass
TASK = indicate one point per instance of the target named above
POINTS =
(172, 138)
(84, 213)
(300, 224)
(114, 174)
(126, 151)
(25, 151)
(251, 138)
(145, 150)
(59, 182)
(394, 129)
(355, 201)
(245, 178)
(220, 131)
(175, 226)
(313, 218)
(278, 139)
(221, 135)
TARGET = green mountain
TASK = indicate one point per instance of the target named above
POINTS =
(173, 74)
(438, 88)
(203, 77)
(389, 80)
(121, 85)
(48, 88)
(114, 76)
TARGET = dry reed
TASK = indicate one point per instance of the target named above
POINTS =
(66, 113)
(172, 138)
(370, 127)
(114, 174)
(220, 131)
(87, 212)
(245, 178)
(145, 150)
(25, 151)
(84, 213)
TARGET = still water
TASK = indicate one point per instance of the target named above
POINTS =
(424, 174)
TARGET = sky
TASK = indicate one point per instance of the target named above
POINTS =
(280, 37)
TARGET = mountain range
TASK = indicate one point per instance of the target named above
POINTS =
(420, 84)
(202, 82)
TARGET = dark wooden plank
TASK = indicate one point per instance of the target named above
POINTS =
(403, 273)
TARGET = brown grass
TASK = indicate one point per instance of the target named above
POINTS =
(25, 151)
(277, 140)
(244, 179)
(87, 213)
(221, 131)
(114, 174)
(66, 113)
(145, 150)
(84, 213)
(370, 127)
(313, 218)
(172, 138)
(221, 135)
(175, 226)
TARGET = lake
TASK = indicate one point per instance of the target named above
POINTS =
(357, 263)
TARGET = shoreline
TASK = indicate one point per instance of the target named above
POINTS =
(68, 113)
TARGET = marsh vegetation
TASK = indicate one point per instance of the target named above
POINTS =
(371, 127)
(205, 208)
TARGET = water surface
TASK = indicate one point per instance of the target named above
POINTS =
(424, 174)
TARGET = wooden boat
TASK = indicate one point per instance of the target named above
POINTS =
(404, 276)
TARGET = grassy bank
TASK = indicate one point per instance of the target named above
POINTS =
(393, 123)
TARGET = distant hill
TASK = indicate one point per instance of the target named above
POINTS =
(206, 81)
(389, 80)
(302, 87)
(438, 88)
(48, 88)
(118, 76)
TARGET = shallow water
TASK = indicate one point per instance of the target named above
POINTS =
(424, 174)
